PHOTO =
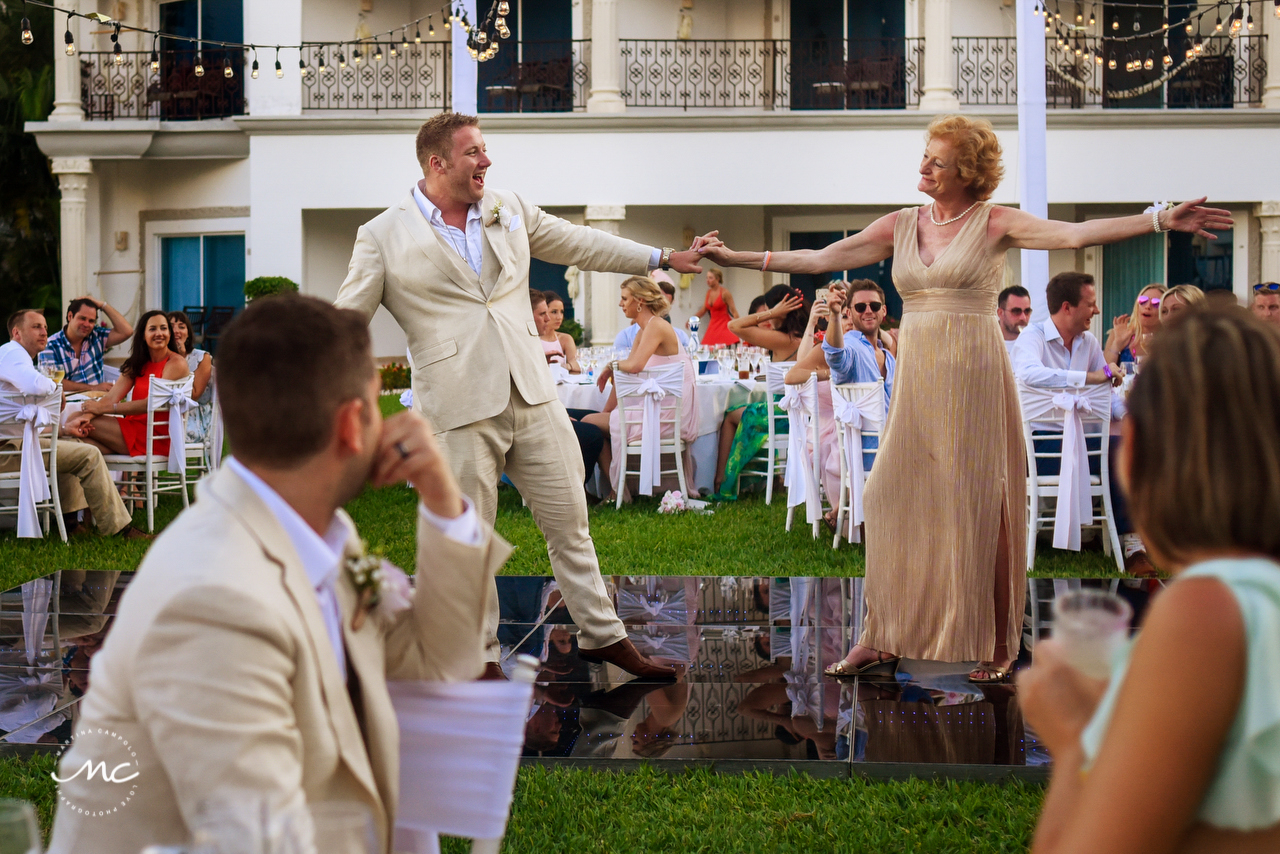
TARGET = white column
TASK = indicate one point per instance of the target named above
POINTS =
(1271, 94)
(66, 70)
(1268, 214)
(939, 62)
(606, 59)
(465, 76)
(277, 22)
(1033, 193)
(73, 179)
(603, 318)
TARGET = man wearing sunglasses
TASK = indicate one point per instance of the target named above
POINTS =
(1014, 311)
(862, 359)
(1266, 302)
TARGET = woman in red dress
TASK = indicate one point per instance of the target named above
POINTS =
(719, 304)
(153, 355)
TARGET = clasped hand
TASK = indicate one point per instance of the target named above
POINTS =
(407, 451)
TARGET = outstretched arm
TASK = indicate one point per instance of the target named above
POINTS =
(556, 241)
(366, 275)
(1021, 230)
(869, 246)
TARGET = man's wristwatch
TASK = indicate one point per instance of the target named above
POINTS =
(665, 262)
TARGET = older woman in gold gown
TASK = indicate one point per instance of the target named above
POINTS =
(946, 501)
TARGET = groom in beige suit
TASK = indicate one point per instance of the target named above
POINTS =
(244, 667)
(451, 264)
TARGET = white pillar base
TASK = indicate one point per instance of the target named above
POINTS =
(606, 101)
(939, 101)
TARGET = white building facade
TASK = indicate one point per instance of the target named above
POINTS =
(782, 123)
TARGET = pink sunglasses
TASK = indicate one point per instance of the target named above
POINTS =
(1143, 300)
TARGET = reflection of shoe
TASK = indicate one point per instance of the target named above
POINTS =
(624, 654)
(492, 673)
(1139, 566)
(989, 674)
(621, 701)
(880, 667)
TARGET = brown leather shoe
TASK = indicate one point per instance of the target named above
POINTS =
(492, 673)
(1139, 566)
(624, 655)
(128, 532)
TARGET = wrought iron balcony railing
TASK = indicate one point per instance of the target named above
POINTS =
(412, 78)
(131, 89)
(536, 77)
(1227, 72)
(773, 74)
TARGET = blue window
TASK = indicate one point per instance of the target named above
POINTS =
(203, 270)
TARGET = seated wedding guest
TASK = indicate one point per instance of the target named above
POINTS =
(83, 479)
(1266, 302)
(1203, 479)
(247, 669)
(558, 347)
(626, 338)
(812, 361)
(555, 308)
(200, 364)
(655, 346)
(79, 348)
(1014, 311)
(777, 321)
(1131, 333)
(1061, 353)
(154, 354)
(1178, 299)
(863, 358)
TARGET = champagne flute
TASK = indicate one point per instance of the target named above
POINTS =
(19, 833)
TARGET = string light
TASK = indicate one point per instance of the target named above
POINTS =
(279, 67)
(1092, 20)
(227, 71)
(1035, 10)
(69, 39)
(356, 56)
(302, 68)
(1278, 8)
(1136, 26)
(1217, 26)
(1111, 62)
(342, 62)
(155, 56)
(27, 38)
(321, 67)
(254, 68)
(1190, 27)
(504, 8)
(116, 54)
(1150, 62)
(1237, 20)
(1249, 23)
(1115, 23)
(377, 54)
(1166, 60)
(417, 33)
(199, 66)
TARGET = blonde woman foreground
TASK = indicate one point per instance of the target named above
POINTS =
(946, 502)
(1181, 751)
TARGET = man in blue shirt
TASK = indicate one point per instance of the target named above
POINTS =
(79, 348)
(863, 358)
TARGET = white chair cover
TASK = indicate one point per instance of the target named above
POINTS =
(1065, 406)
(460, 748)
(36, 597)
(800, 403)
(215, 433)
(176, 395)
(35, 414)
(857, 407)
(653, 385)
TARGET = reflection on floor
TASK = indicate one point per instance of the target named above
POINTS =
(751, 652)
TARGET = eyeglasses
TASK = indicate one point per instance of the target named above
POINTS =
(1266, 286)
(1154, 301)
(860, 307)
(1018, 312)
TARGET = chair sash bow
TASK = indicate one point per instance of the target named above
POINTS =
(653, 386)
(179, 405)
(802, 487)
(1075, 506)
(851, 421)
(33, 481)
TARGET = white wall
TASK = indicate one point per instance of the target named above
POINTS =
(985, 17)
(712, 19)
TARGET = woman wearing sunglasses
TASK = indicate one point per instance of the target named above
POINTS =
(1131, 333)
(945, 505)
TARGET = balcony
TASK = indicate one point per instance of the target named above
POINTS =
(1229, 72)
(537, 77)
(386, 76)
(185, 85)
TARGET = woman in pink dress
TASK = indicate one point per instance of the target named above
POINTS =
(719, 304)
(656, 345)
(154, 355)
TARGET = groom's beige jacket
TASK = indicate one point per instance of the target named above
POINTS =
(220, 675)
(471, 336)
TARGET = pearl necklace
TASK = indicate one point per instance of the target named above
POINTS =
(953, 219)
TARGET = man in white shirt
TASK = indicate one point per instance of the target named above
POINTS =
(1061, 353)
(1014, 312)
(626, 339)
(83, 479)
(249, 659)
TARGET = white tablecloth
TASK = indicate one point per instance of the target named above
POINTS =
(584, 396)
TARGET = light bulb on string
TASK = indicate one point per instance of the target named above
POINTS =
(1092, 19)
(253, 69)
(1111, 62)
(391, 49)
(356, 56)
(1217, 25)
(404, 40)
(155, 57)
(1249, 22)
(69, 39)
(1079, 17)
(1137, 27)
(342, 60)
(321, 67)
(1115, 22)
(1079, 49)
(377, 53)
(1165, 59)
(1198, 46)
(1097, 58)
(1237, 20)
(279, 67)
(1150, 62)
(1190, 27)
(481, 36)
(117, 55)
(199, 66)
(1035, 10)
(504, 8)
(417, 32)
(1057, 11)
(27, 38)
(227, 70)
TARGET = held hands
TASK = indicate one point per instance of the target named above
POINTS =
(1192, 218)
(687, 261)
(713, 248)
(1057, 700)
(407, 450)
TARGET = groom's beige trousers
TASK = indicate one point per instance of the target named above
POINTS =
(535, 446)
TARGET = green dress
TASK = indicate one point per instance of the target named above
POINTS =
(1245, 792)
(752, 433)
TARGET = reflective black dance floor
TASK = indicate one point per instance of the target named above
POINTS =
(751, 652)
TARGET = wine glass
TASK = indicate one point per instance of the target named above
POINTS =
(47, 365)
(19, 833)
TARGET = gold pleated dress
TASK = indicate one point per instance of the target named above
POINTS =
(951, 463)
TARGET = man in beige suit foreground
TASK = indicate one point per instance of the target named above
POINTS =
(451, 264)
(245, 666)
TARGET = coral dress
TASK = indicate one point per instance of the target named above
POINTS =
(951, 466)
(718, 327)
(134, 427)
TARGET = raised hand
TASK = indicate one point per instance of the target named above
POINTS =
(836, 295)
(1193, 218)
(788, 305)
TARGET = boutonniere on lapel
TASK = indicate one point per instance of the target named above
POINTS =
(495, 215)
(381, 586)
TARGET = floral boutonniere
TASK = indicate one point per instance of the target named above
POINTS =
(381, 586)
(495, 215)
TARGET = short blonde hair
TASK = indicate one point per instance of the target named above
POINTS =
(1189, 294)
(1204, 460)
(1135, 325)
(977, 148)
(647, 291)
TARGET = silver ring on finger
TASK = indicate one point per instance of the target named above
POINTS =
(402, 450)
